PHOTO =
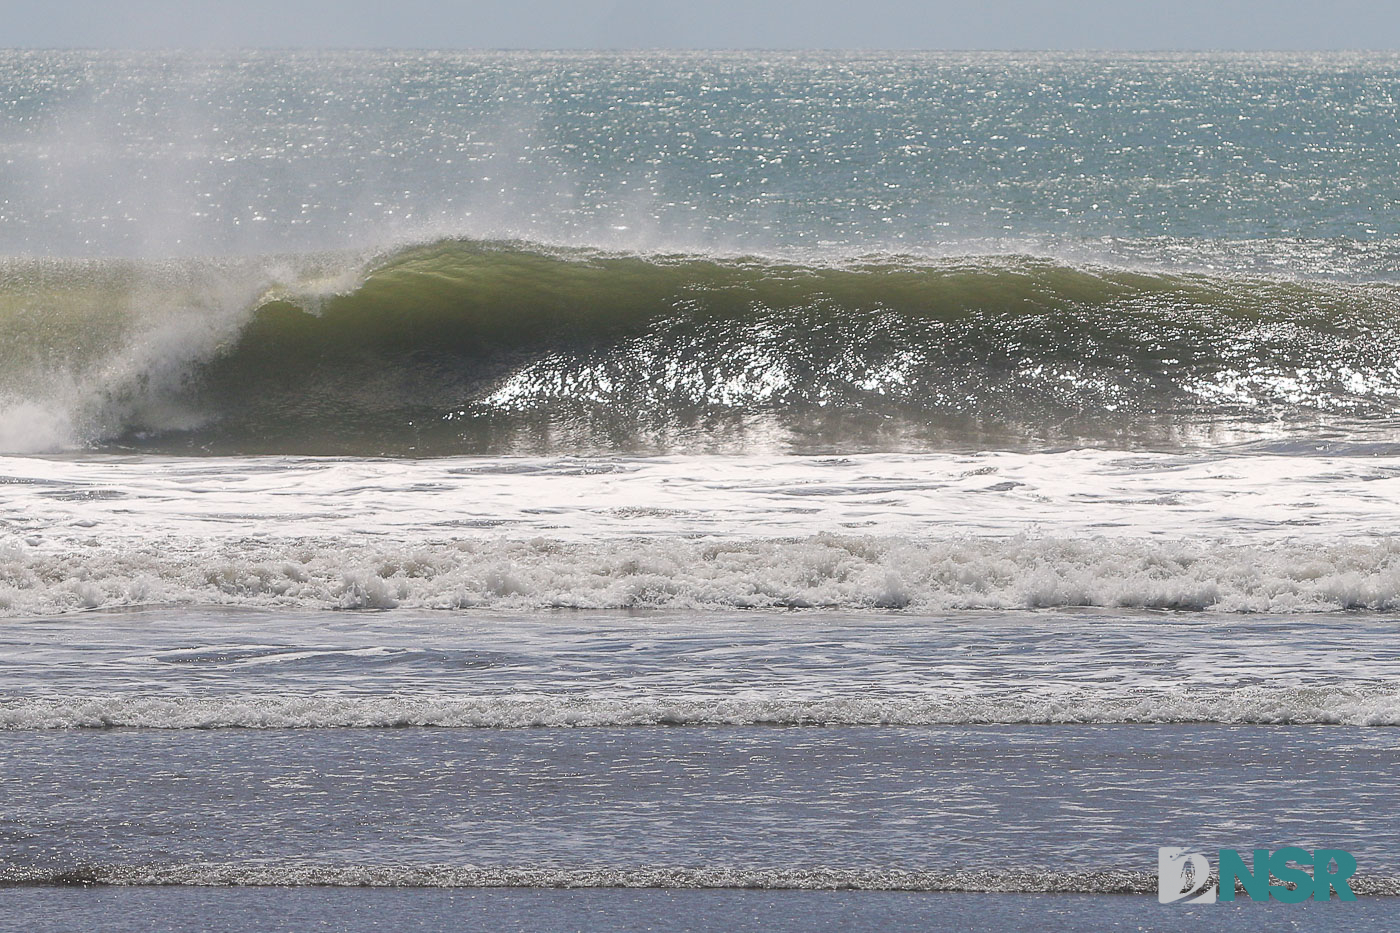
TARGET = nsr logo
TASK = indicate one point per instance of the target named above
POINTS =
(1185, 876)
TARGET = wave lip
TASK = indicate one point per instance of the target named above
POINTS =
(1352, 706)
(478, 347)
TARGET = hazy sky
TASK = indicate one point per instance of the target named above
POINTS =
(786, 24)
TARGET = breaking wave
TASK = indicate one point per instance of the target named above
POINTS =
(490, 347)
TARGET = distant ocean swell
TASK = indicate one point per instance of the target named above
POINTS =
(489, 347)
(1351, 706)
(820, 571)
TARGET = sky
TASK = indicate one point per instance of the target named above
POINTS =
(704, 24)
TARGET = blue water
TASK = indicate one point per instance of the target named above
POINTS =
(159, 153)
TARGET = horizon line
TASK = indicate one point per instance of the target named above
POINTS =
(715, 49)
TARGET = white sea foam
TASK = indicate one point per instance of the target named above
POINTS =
(1353, 706)
(297, 874)
(931, 532)
(822, 571)
(1079, 493)
(301, 874)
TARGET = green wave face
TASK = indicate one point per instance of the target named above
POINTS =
(467, 347)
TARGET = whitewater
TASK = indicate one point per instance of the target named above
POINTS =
(862, 532)
(693, 473)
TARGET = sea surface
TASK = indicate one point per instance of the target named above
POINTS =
(694, 491)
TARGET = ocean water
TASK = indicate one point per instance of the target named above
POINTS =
(713, 490)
